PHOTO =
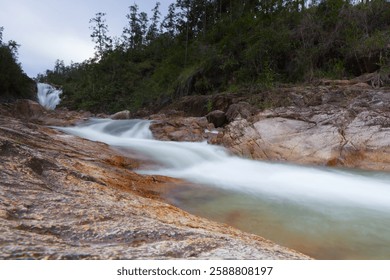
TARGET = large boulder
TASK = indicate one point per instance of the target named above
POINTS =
(122, 115)
(33, 112)
(349, 129)
(192, 129)
(240, 110)
(217, 117)
(28, 109)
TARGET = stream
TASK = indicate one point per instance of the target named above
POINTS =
(322, 212)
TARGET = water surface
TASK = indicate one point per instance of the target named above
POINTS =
(325, 213)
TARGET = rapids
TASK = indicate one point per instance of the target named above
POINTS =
(302, 201)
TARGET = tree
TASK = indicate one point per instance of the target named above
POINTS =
(143, 19)
(1, 35)
(169, 22)
(59, 67)
(13, 47)
(184, 23)
(133, 33)
(206, 46)
(14, 83)
(100, 34)
(153, 31)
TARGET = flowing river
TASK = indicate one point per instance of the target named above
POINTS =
(325, 213)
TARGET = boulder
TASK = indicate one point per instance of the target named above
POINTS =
(194, 129)
(33, 112)
(217, 117)
(350, 128)
(28, 109)
(240, 110)
(122, 115)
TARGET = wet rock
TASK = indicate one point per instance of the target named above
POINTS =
(122, 115)
(39, 165)
(62, 197)
(28, 109)
(240, 110)
(217, 118)
(349, 128)
(191, 129)
(33, 112)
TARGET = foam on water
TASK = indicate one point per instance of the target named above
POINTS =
(213, 166)
(325, 213)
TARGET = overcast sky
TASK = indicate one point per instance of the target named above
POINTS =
(59, 29)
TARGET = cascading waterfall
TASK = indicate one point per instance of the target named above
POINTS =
(48, 96)
(328, 199)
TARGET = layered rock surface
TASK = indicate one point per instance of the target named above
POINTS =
(336, 123)
(62, 197)
(346, 126)
(176, 128)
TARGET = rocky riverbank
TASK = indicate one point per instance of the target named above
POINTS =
(62, 197)
(334, 123)
(350, 127)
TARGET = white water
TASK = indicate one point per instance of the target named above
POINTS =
(48, 96)
(212, 165)
(345, 209)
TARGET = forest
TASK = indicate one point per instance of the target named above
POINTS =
(203, 47)
(14, 83)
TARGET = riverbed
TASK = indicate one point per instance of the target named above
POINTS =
(322, 212)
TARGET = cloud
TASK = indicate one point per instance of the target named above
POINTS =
(42, 52)
(65, 47)
(48, 30)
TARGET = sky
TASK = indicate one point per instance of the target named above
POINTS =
(48, 30)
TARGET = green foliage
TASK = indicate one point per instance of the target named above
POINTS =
(209, 105)
(100, 34)
(208, 46)
(14, 83)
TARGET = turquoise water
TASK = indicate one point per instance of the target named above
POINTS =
(321, 232)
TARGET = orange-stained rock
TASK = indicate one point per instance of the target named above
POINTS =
(62, 197)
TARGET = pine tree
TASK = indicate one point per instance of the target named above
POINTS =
(170, 21)
(14, 83)
(1, 35)
(132, 33)
(100, 34)
(184, 23)
(153, 31)
(143, 19)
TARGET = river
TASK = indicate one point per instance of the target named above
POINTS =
(322, 212)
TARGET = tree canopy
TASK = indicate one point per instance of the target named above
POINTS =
(209, 46)
(14, 83)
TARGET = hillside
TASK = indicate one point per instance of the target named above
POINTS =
(213, 46)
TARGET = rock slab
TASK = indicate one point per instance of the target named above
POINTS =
(350, 128)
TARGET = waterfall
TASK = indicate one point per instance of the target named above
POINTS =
(48, 96)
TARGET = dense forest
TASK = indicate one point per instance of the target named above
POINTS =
(212, 46)
(14, 83)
